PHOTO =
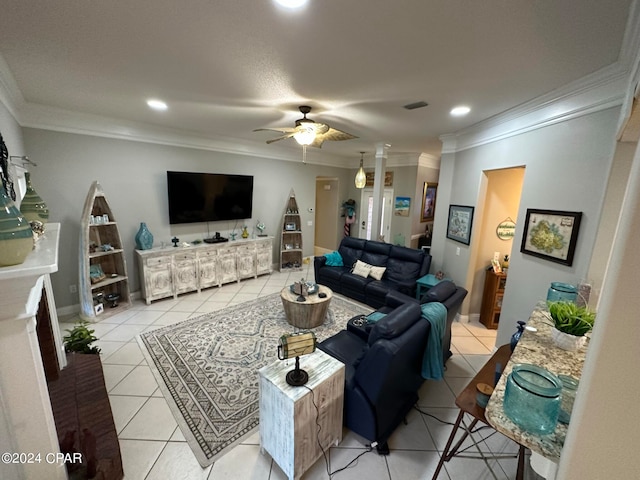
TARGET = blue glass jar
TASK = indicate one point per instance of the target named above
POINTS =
(563, 292)
(532, 398)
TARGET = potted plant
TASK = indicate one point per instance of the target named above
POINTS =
(80, 339)
(570, 324)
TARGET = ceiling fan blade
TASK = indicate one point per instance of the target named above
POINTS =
(277, 129)
(288, 135)
(337, 135)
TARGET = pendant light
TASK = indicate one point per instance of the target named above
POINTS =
(361, 178)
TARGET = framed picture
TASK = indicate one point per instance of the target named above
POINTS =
(428, 202)
(402, 206)
(459, 224)
(290, 227)
(388, 179)
(551, 234)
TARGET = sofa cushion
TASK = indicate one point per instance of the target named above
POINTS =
(345, 346)
(351, 249)
(333, 274)
(404, 263)
(439, 292)
(334, 259)
(361, 269)
(379, 288)
(395, 323)
(351, 281)
(376, 253)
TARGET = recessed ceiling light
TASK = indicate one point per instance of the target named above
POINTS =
(460, 111)
(291, 3)
(157, 104)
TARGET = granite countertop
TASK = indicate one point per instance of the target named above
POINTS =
(535, 348)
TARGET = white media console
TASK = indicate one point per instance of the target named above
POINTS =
(168, 272)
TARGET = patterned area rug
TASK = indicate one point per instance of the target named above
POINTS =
(207, 367)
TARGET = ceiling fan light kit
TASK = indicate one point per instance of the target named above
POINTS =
(308, 132)
(361, 178)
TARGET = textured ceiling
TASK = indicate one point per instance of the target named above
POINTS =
(228, 67)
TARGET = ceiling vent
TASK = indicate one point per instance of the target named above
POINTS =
(413, 106)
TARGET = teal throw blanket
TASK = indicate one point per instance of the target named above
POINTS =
(432, 363)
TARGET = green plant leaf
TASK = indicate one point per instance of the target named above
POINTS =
(571, 318)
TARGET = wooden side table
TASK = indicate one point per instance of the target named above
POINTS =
(310, 313)
(425, 283)
(288, 428)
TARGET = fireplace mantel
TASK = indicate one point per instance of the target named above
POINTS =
(26, 420)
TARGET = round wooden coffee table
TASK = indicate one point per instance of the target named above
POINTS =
(308, 314)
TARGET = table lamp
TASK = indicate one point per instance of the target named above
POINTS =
(295, 345)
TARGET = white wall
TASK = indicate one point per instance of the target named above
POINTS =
(567, 166)
(604, 431)
(133, 178)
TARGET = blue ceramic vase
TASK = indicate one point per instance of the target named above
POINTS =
(515, 338)
(144, 238)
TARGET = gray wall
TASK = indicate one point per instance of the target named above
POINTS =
(567, 167)
(133, 178)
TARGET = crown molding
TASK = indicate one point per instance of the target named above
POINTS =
(60, 120)
(10, 94)
(599, 91)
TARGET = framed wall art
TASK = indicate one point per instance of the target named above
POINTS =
(428, 201)
(460, 223)
(402, 206)
(551, 234)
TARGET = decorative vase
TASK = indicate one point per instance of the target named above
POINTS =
(32, 206)
(16, 236)
(566, 341)
(532, 398)
(144, 238)
(516, 336)
(245, 233)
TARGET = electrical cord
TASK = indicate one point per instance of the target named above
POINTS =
(330, 474)
(449, 423)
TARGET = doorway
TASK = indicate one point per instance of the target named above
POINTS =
(366, 215)
(500, 194)
(327, 215)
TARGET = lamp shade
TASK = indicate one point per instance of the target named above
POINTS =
(305, 136)
(361, 178)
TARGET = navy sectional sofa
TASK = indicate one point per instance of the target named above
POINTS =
(403, 267)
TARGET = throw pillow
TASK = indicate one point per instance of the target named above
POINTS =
(377, 272)
(361, 269)
(334, 259)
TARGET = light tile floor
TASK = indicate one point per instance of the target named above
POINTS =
(153, 446)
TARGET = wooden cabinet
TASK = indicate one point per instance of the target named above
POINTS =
(291, 241)
(246, 261)
(264, 254)
(158, 280)
(103, 269)
(227, 271)
(168, 272)
(494, 285)
(185, 278)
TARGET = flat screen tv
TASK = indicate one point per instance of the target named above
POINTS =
(208, 197)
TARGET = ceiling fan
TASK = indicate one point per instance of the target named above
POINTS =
(308, 132)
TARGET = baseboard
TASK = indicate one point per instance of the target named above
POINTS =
(473, 317)
(74, 310)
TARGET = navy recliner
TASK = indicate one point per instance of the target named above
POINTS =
(383, 361)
